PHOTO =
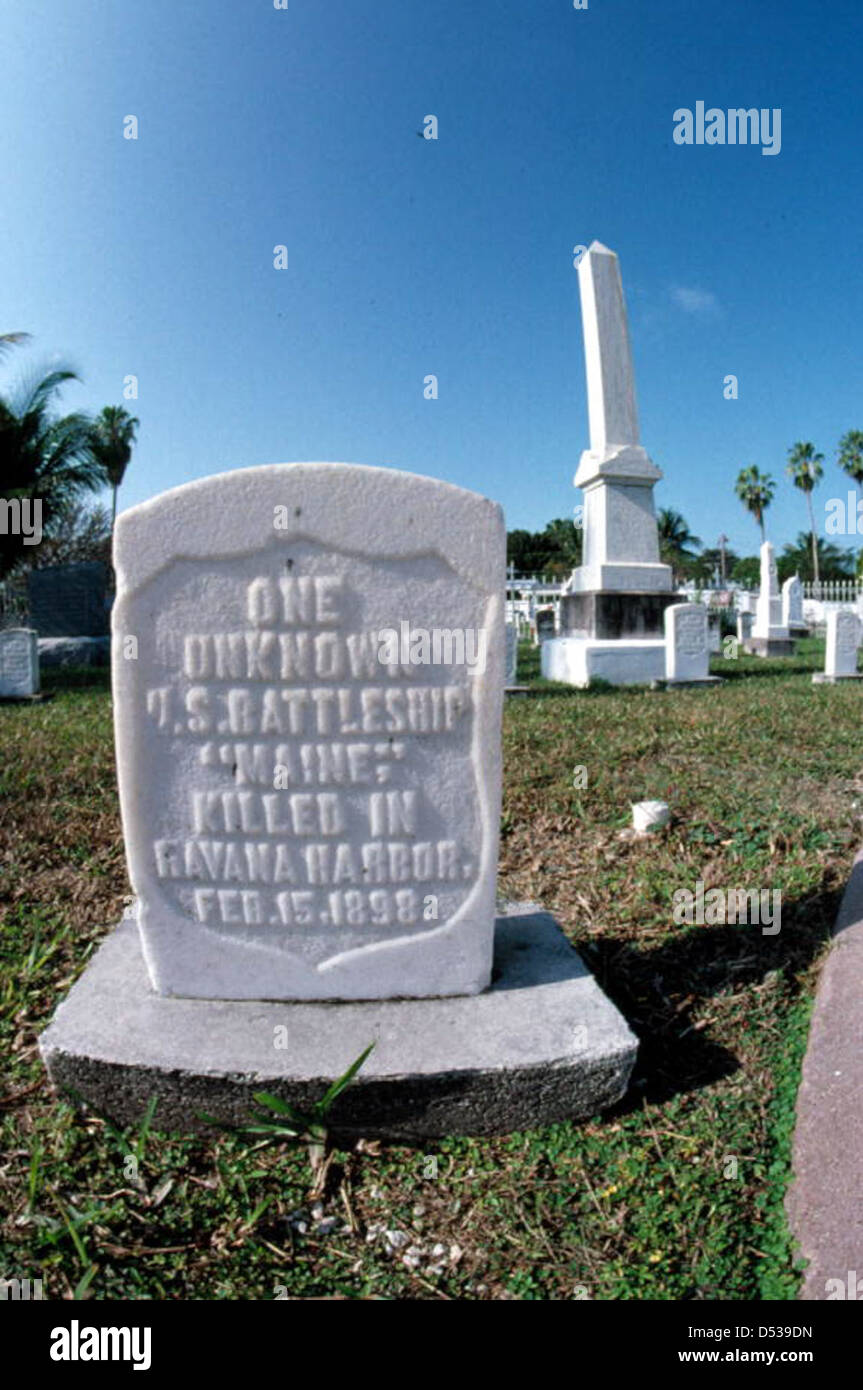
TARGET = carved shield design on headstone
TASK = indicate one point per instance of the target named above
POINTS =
(308, 728)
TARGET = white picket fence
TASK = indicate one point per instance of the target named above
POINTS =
(834, 591)
(527, 592)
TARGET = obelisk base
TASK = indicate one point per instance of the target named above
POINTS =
(614, 616)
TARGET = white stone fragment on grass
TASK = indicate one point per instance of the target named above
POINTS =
(649, 815)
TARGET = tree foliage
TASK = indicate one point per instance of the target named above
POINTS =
(52, 460)
(556, 551)
(805, 470)
(755, 491)
(747, 571)
(850, 454)
(44, 456)
(677, 545)
(796, 558)
(77, 533)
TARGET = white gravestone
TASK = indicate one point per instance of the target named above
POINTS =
(511, 653)
(304, 820)
(843, 639)
(792, 603)
(544, 624)
(687, 657)
(714, 634)
(744, 626)
(19, 663)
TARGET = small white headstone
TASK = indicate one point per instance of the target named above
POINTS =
(19, 662)
(511, 653)
(744, 626)
(714, 636)
(686, 651)
(308, 732)
(843, 639)
(544, 624)
(792, 602)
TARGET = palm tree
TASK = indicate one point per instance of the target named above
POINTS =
(79, 533)
(755, 491)
(851, 454)
(710, 563)
(675, 540)
(8, 340)
(564, 541)
(556, 550)
(747, 571)
(43, 457)
(113, 437)
(797, 558)
(804, 469)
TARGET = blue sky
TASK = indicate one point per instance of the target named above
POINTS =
(407, 256)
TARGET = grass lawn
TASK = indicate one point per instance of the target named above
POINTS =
(675, 1194)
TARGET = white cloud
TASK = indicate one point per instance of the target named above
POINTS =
(693, 301)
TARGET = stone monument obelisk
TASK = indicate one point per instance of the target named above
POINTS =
(770, 635)
(612, 612)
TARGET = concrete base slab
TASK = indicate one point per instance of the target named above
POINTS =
(579, 660)
(542, 1044)
(821, 678)
(516, 689)
(824, 1203)
(74, 651)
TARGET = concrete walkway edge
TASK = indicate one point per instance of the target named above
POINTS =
(825, 1202)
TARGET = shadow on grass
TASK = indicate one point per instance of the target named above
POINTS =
(730, 671)
(56, 678)
(541, 687)
(754, 666)
(660, 990)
